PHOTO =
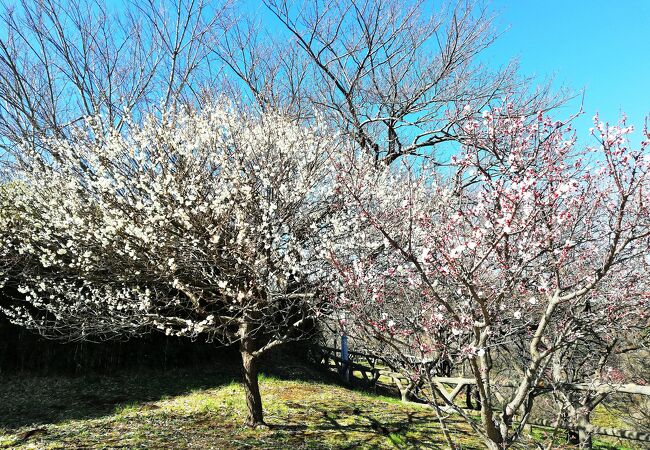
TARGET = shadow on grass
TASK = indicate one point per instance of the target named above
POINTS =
(27, 400)
(407, 430)
(37, 400)
(346, 420)
(301, 415)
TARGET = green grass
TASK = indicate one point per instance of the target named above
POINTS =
(206, 409)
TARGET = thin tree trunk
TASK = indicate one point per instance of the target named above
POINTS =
(255, 416)
(493, 433)
(487, 416)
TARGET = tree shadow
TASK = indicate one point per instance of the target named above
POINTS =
(33, 402)
(407, 430)
(40, 400)
(28, 399)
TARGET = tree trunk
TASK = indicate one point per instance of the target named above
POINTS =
(468, 397)
(584, 437)
(255, 415)
(493, 432)
(491, 445)
(580, 435)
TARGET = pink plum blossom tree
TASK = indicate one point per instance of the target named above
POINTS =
(522, 250)
(198, 224)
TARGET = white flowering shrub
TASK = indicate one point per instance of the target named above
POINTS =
(199, 224)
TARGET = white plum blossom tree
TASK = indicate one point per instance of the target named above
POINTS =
(199, 224)
(523, 251)
(8, 256)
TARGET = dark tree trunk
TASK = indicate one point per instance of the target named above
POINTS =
(468, 397)
(255, 415)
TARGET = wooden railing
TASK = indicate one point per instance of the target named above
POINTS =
(373, 367)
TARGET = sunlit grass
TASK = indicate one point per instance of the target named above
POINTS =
(207, 410)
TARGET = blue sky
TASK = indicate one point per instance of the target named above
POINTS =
(602, 46)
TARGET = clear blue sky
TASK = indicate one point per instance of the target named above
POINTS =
(602, 46)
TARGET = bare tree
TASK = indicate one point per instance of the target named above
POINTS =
(396, 76)
(64, 60)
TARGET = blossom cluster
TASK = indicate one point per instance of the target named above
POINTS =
(190, 223)
(521, 227)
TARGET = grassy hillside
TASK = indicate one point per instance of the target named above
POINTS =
(206, 410)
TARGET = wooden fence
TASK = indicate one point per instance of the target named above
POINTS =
(372, 369)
